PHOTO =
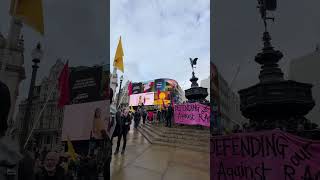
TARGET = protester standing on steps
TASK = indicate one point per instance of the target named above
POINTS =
(169, 116)
(159, 115)
(163, 115)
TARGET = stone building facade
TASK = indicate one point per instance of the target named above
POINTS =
(229, 104)
(12, 71)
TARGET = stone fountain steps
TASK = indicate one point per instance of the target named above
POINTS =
(178, 133)
(176, 137)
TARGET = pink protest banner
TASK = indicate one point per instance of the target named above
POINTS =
(268, 155)
(192, 114)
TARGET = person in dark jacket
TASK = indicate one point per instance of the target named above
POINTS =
(51, 169)
(169, 116)
(27, 164)
(136, 119)
(93, 168)
(163, 114)
(44, 153)
(84, 168)
(117, 129)
(125, 127)
(143, 114)
(159, 116)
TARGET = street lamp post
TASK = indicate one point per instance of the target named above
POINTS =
(121, 79)
(36, 54)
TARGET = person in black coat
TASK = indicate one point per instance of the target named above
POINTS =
(117, 129)
(136, 119)
(125, 127)
(105, 155)
(169, 116)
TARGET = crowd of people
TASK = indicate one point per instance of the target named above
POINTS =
(32, 164)
(125, 116)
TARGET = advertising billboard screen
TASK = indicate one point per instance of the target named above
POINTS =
(137, 88)
(159, 84)
(148, 86)
(142, 98)
(170, 84)
(82, 121)
(85, 85)
(164, 95)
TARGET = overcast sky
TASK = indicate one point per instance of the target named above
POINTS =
(237, 33)
(77, 31)
(159, 36)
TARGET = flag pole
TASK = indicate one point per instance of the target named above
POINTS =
(35, 124)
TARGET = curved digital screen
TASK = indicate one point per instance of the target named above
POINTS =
(142, 98)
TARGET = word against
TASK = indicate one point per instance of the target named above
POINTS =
(263, 156)
(192, 114)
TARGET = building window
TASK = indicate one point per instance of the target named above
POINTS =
(48, 140)
(41, 123)
(60, 122)
(49, 123)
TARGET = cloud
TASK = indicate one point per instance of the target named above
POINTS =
(159, 37)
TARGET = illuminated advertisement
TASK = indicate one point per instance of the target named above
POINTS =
(137, 88)
(148, 86)
(142, 98)
(170, 84)
(164, 95)
(159, 84)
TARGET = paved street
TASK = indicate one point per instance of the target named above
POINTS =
(145, 162)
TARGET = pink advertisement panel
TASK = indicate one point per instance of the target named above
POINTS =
(142, 98)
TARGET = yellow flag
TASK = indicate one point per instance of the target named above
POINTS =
(131, 109)
(118, 58)
(71, 151)
(30, 11)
